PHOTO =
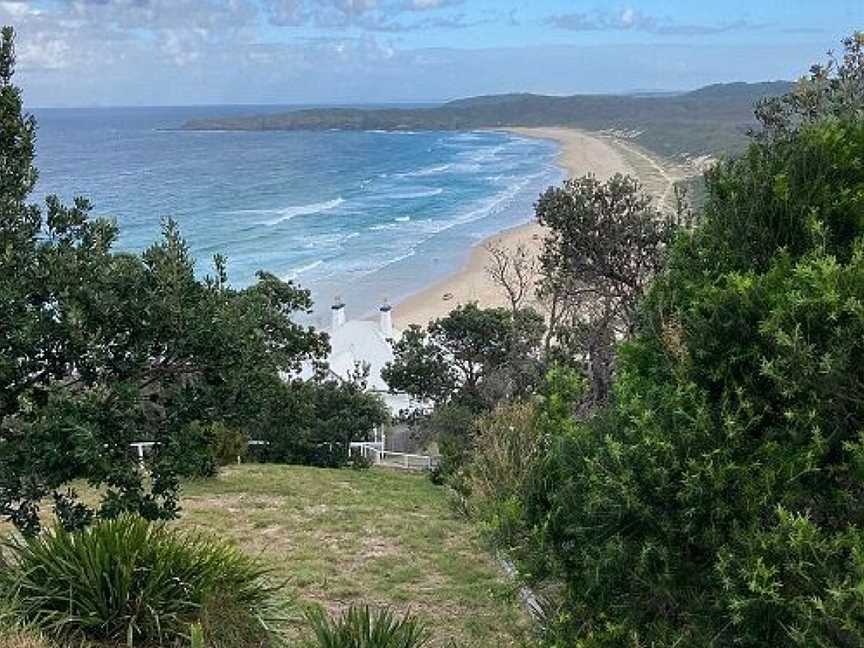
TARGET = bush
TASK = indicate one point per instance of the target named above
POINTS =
(313, 422)
(228, 444)
(362, 627)
(452, 427)
(134, 581)
(507, 444)
(718, 500)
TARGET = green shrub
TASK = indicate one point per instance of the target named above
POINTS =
(313, 422)
(363, 627)
(507, 445)
(452, 427)
(228, 444)
(718, 500)
(131, 580)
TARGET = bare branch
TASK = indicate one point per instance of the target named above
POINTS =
(513, 270)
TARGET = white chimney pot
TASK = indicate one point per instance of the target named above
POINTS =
(386, 321)
(338, 310)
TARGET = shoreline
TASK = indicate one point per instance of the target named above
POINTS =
(579, 153)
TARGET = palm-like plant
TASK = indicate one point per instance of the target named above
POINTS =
(134, 581)
(364, 627)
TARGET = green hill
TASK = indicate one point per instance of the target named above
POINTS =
(711, 120)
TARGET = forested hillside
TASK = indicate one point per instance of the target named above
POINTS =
(710, 120)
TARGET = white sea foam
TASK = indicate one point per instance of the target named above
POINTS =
(481, 210)
(402, 219)
(424, 193)
(287, 213)
(466, 137)
(393, 132)
(426, 171)
(397, 259)
(298, 271)
(382, 228)
(486, 154)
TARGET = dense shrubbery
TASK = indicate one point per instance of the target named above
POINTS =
(313, 422)
(129, 580)
(463, 365)
(718, 499)
(506, 446)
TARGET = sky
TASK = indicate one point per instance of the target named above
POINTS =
(195, 52)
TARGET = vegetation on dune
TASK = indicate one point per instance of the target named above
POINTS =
(604, 242)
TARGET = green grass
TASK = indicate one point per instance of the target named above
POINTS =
(343, 537)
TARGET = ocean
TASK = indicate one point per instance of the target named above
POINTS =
(360, 216)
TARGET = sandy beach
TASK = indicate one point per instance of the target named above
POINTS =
(581, 153)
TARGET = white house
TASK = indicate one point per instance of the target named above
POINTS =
(365, 342)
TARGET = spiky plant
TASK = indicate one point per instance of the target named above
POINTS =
(131, 580)
(365, 627)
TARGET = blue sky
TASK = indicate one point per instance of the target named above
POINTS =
(148, 52)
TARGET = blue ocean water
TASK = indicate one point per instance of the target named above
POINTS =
(366, 216)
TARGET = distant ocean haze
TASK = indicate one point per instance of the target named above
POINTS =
(366, 216)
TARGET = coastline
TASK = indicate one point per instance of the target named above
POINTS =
(580, 153)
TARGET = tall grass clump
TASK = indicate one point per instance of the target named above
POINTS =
(507, 446)
(13, 634)
(140, 583)
(363, 627)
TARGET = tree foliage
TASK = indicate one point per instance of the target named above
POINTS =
(833, 89)
(99, 349)
(473, 357)
(463, 365)
(718, 502)
(604, 243)
(313, 422)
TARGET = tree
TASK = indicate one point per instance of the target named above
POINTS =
(833, 89)
(99, 349)
(604, 243)
(313, 422)
(464, 364)
(473, 357)
(717, 499)
(514, 270)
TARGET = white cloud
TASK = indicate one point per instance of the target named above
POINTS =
(630, 19)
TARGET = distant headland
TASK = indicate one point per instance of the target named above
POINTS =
(711, 120)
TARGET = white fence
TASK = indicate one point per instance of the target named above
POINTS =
(140, 446)
(373, 451)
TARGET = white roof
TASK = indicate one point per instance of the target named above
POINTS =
(361, 341)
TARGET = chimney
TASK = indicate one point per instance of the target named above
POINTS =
(338, 310)
(386, 321)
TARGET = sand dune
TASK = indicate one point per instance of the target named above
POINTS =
(581, 153)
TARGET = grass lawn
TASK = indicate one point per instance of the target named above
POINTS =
(380, 536)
